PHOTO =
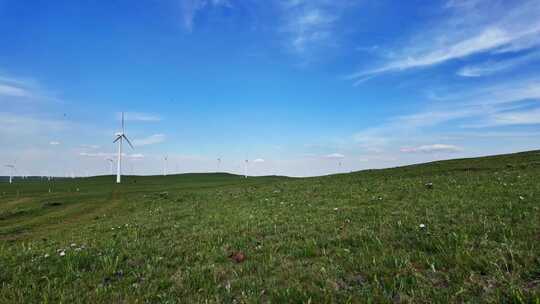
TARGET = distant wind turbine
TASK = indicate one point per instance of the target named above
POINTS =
(120, 136)
(218, 164)
(246, 169)
(165, 166)
(111, 163)
(12, 168)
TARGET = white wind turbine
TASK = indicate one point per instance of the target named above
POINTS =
(218, 164)
(12, 168)
(111, 163)
(246, 168)
(120, 136)
(165, 166)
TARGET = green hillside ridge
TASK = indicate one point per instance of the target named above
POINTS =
(453, 231)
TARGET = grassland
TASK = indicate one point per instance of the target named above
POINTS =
(378, 236)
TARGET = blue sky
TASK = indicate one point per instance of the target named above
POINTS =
(298, 87)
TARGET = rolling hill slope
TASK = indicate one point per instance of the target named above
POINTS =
(452, 231)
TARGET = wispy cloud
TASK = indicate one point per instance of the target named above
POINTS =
(138, 116)
(258, 160)
(481, 108)
(112, 155)
(93, 147)
(21, 125)
(98, 154)
(190, 9)
(335, 156)
(54, 143)
(492, 67)
(136, 156)
(523, 117)
(14, 89)
(434, 148)
(467, 32)
(10, 90)
(310, 24)
(150, 140)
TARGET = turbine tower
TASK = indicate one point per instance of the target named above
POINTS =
(165, 166)
(246, 169)
(120, 136)
(12, 168)
(218, 164)
(111, 163)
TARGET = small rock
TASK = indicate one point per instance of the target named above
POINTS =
(237, 257)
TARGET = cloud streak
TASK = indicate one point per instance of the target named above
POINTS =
(335, 156)
(13, 91)
(311, 24)
(510, 28)
(150, 140)
(492, 67)
(190, 9)
(434, 148)
(138, 116)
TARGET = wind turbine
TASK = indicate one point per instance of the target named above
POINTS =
(111, 163)
(218, 163)
(120, 136)
(12, 168)
(164, 165)
(246, 169)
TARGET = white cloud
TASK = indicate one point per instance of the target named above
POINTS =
(137, 116)
(17, 125)
(474, 27)
(492, 67)
(112, 155)
(22, 89)
(136, 156)
(9, 90)
(54, 143)
(335, 156)
(190, 9)
(311, 24)
(98, 154)
(527, 117)
(93, 147)
(435, 148)
(486, 107)
(258, 160)
(150, 140)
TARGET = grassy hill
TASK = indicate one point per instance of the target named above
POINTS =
(451, 231)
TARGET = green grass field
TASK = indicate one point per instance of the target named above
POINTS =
(377, 236)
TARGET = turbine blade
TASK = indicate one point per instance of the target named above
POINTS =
(117, 138)
(128, 142)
